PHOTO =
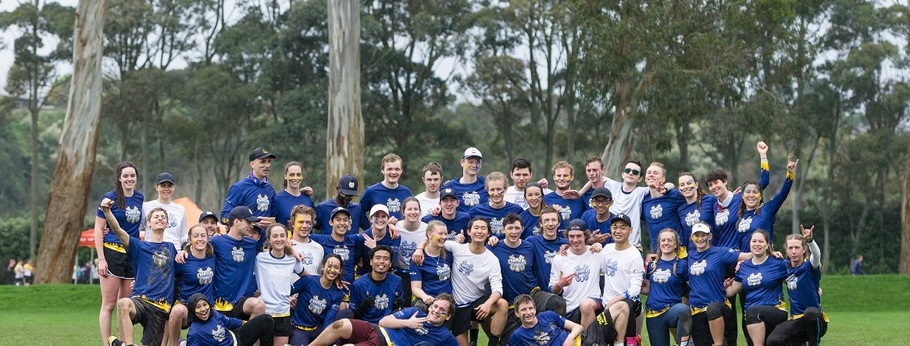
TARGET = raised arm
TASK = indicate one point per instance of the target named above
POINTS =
(764, 176)
(815, 253)
(112, 222)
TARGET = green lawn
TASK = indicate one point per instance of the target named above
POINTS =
(863, 311)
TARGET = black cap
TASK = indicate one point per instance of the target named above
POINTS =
(577, 225)
(348, 185)
(206, 214)
(339, 210)
(621, 217)
(447, 192)
(602, 192)
(242, 212)
(261, 153)
(164, 177)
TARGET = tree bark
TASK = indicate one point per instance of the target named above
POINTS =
(904, 267)
(72, 178)
(344, 135)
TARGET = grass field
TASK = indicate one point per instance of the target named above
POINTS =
(868, 310)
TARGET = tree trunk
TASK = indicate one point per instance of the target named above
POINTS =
(72, 178)
(344, 135)
(905, 220)
(33, 187)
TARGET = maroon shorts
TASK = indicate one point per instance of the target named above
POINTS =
(365, 334)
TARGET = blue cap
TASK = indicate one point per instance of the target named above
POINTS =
(206, 214)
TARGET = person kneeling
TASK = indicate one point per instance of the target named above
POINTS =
(546, 328)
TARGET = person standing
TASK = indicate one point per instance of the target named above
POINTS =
(293, 194)
(302, 218)
(114, 267)
(388, 192)
(432, 181)
(628, 196)
(496, 207)
(346, 190)
(176, 232)
(254, 191)
(469, 188)
(565, 199)
(456, 221)
(857, 268)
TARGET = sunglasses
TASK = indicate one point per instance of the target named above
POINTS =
(343, 196)
(631, 171)
(601, 202)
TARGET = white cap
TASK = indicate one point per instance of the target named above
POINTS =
(701, 227)
(377, 208)
(472, 152)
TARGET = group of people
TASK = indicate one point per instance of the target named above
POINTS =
(20, 272)
(528, 264)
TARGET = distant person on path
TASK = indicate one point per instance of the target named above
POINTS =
(19, 271)
(11, 271)
(29, 268)
(857, 268)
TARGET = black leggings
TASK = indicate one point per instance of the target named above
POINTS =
(810, 327)
(260, 328)
(701, 333)
(769, 315)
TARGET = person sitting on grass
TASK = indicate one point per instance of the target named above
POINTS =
(153, 293)
(210, 327)
(546, 328)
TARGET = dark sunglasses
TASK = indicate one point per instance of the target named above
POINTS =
(631, 171)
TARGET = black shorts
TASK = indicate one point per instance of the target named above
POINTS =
(118, 264)
(283, 326)
(152, 320)
(237, 311)
(465, 314)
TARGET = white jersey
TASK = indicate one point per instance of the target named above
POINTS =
(313, 254)
(275, 277)
(623, 272)
(409, 241)
(427, 204)
(586, 283)
(175, 233)
(628, 203)
(471, 272)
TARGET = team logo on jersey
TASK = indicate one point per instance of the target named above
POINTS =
(159, 259)
(443, 272)
(721, 218)
(381, 302)
(307, 258)
(542, 338)
(471, 198)
(657, 211)
(421, 331)
(237, 254)
(548, 256)
(517, 263)
(661, 276)
(171, 220)
(744, 224)
(693, 217)
(132, 214)
(698, 268)
(316, 305)
(610, 267)
(262, 202)
(536, 231)
(394, 205)
(219, 333)
(582, 273)
(754, 279)
(496, 225)
(342, 251)
(465, 268)
(406, 249)
(566, 212)
(791, 282)
(205, 275)
(521, 201)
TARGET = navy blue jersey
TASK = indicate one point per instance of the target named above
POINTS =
(316, 305)
(251, 192)
(549, 331)
(469, 195)
(434, 274)
(216, 331)
(324, 215)
(197, 275)
(364, 252)
(384, 294)
(602, 227)
(802, 287)
(128, 217)
(234, 262)
(348, 249)
(763, 217)
(424, 336)
(154, 266)
(706, 275)
(661, 212)
(380, 194)
(285, 202)
(517, 265)
(726, 218)
(454, 226)
(692, 213)
(531, 224)
(495, 215)
(544, 250)
(667, 284)
(762, 283)
(571, 208)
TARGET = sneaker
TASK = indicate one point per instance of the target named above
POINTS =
(113, 341)
(633, 340)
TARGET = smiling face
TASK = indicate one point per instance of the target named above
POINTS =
(758, 244)
(261, 167)
(439, 312)
(391, 172)
(563, 178)
(157, 221)
(620, 231)
(203, 310)
(331, 268)
(549, 224)
(526, 313)
(520, 177)
(751, 196)
(127, 178)
(211, 225)
(437, 235)
(165, 190)
(718, 188)
(471, 166)
(655, 176)
(449, 206)
(479, 231)
(688, 186)
(534, 196)
(576, 240)
(702, 240)
(432, 181)
(294, 176)
(278, 237)
(412, 211)
(631, 173)
(513, 231)
(380, 261)
(199, 238)
(668, 242)
(601, 204)
(379, 220)
(303, 225)
(340, 223)
(496, 190)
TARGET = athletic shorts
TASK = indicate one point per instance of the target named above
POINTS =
(152, 320)
(465, 314)
(118, 264)
(237, 311)
(365, 334)
(283, 326)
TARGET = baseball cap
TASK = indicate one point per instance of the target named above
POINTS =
(261, 153)
(348, 185)
(339, 210)
(378, 208)
(472, 152)
(206, 214)
(447, 192)
(602, 192)
(577, 225)
(242, 212)
(621, 217)
(164, 177)
(701, 227)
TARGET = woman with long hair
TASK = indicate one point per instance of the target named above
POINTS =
(195, 275)
(808, 322)
(318, 301)
(699, 206)
(293, 194)
(666, 285)
(530, 217)
(760, 278)
(755, 214)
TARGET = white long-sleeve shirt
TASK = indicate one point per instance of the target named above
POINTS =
(623, 272)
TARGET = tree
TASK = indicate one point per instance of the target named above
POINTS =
(344, 133)
(71, 182)
(33, 73)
